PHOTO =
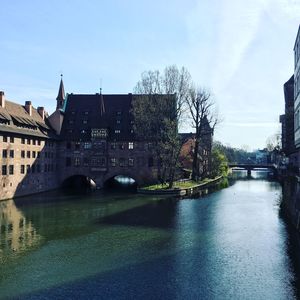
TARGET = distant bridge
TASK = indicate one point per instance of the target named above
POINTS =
(250, 167)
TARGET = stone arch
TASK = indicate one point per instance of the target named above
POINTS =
(78, 182)
(110, 181)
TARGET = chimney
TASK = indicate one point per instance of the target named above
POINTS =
(2, 99)
(41, 111)
(28, 107)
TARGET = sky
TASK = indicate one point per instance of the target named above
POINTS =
(242, 51)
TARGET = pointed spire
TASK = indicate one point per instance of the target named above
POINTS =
(61, 94)
(102, 106)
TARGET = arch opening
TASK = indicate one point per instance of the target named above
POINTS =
(121, 183)
(79, 183)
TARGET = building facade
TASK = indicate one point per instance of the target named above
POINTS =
(89, 136)
(287, 120)
(97, 140)
(204, 153)
(28, 150)
(297, 93)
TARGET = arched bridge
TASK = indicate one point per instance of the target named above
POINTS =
(250, 167)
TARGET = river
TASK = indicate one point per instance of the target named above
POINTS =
(231, 244)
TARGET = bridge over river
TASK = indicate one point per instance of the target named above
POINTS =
(250, 167)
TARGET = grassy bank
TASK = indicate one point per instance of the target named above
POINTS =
(178, 185)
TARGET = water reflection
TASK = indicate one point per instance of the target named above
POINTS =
(16, 233)
(228, 245)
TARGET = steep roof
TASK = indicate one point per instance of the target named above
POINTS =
(84, 112)
(19, 121)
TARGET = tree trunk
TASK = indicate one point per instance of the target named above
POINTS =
(195, 170)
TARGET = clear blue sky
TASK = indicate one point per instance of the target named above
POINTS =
(241, 50)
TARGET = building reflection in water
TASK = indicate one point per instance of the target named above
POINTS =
(16, 233)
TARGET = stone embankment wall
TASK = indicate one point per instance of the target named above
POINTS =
(291, 199)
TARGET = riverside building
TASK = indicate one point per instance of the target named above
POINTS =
(90, 137)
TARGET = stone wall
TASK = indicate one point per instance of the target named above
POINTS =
(27, 165)
(104, 160)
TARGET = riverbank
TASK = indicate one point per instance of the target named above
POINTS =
(182, 188)
(291, 199)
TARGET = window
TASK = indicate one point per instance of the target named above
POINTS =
(22, 153)
(119, 113)
(86, 161)
(118, 121)
(28, 141)
(77, 145)
(39, 142)
(4, 153)
(23, 141)
(87, 145)
(11, 153)
(12, 139)
(84, 121)
(130, 145)
(121, 146)
(71, 122)
(4, 170)
(22, 169)
(102, 161)
(5, 139)
(122, 162)
(113, 162)
(130, 162)
(33, 154)
(11, 169)
(117, 131)
(68, 161)
(83, 131)
(86, 112)
(77, 162)
(28, 154)
(98, 161)
(113, 145)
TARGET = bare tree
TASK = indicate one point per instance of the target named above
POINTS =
(273, 142)
(159, 114)
(204, 118)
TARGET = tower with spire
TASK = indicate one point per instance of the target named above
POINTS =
(61, 95)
